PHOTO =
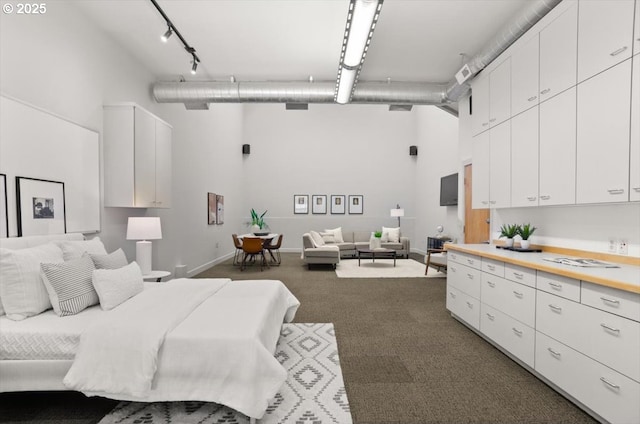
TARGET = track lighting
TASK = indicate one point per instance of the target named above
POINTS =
(194, 67)
(166, 35)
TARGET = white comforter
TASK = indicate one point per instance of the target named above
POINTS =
(202, 339)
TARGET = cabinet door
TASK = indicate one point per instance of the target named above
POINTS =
(605, 35)
(557, 171)
(634, 171)
(500, 93)
(145, 159)
(524, 77)
(636, 30)
(480, 170)
(480, 104)
(500, 166)
(603, 136)
(524, 159)
(558, 54)
(163, 165)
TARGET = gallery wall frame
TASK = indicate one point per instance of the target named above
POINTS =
(356, 206)
(219, 209)
(319, 204)
(338, 202)
(41, 207)
(4, 212)
(300, 203)
(211, 208)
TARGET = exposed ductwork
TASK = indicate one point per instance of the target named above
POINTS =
(197, 95)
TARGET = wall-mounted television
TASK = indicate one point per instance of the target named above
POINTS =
(449, 190)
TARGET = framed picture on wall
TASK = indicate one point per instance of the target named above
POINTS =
(355, 204)
(4, 215)
(300, 203)
(319, 204)
(40, 207)
(338, 204)
(219, 209)
(211, 208)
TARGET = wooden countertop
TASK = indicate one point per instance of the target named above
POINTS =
(626, 277)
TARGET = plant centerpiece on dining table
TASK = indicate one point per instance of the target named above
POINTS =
(525, 232)
(258, 226)
(509, 231)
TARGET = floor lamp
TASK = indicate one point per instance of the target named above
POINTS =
(144, 229)
(397, 213)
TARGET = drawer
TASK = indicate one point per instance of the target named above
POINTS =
(515, 300)
(612, 300)
(465, 259)
(464, 306)
(609, 394)
(464, 278)
(510, 334)
(558, 285)
(492, 266)
(520, 274)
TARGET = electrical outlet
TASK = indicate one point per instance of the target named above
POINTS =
(613, 245)
(623, 248)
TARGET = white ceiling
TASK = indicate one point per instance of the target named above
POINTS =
(278, 40)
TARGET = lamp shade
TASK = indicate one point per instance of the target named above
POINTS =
(396, 213)
(144, 228)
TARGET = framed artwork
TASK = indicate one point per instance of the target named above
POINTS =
(4, 215)
(41, 207)
(300, 203)
(355, 204)
(211, 208)
(338, 203)
(319, 204)
(220, 209)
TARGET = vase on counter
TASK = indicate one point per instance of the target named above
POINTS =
(525, 244)
(508, 242)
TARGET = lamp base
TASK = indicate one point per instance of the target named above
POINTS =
(143, 256)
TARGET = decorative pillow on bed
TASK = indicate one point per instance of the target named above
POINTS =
(114, 286)
(113, 260)
(75, 249)
(337, 233)
(69, 285)
(391, 235)
(21, 287)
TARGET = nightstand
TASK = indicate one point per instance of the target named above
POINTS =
(156, 276)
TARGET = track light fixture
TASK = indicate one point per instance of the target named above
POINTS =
(171, 29)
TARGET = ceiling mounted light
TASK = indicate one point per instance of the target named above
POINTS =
(166, 35)
(194, 66)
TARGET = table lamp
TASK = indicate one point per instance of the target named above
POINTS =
(397, 212)
(144, 229)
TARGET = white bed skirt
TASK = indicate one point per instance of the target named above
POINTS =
(33, 375)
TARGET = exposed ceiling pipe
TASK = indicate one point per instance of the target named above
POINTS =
(197, 95)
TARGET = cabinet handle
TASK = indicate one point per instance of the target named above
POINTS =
(556, 286)
(615, 190)
(617, 52)
(518, 275)
(545, 91)
(492, 120)
(470, 305)
(605, 300)
(470, 261)
(606, 327)
(484, 202)
(491, 267)
(636, 188)
(515, 330)
(555, 308)
(554, 353)
(531, 198)
(518, 294)
(532, 98)
(610, 384)
(453, 268)
(545, 197)
(484, 124)
(452, 294)
(492, 285)
(470, 276)
(491, 317)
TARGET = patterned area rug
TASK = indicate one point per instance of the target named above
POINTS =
(381, 268)
(313, 393)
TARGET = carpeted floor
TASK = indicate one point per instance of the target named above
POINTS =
(403, 358)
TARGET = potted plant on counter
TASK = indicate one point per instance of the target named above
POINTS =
(258, 225)
(525, 232)
(509, 231)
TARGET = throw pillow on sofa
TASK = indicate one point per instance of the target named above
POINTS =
(391, 235)
(328, 238)
(337, 234)
(316, 238)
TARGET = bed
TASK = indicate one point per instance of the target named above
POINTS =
(213, 341)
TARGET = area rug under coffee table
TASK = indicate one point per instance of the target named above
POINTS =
(381, 268)
(313, 393)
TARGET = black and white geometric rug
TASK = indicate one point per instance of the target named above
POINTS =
(313, 393)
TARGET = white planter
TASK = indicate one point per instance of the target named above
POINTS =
(375, 243)
(525, 244)
(508, 242)
(255, 229)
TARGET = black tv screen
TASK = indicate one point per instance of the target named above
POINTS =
(449, 190)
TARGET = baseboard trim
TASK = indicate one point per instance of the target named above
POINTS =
(210, 264)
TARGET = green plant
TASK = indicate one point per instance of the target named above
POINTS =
(258, 219)
(509, 230)
(525, 231)
(378, 234)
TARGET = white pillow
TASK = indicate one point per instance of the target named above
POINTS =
(337, 233)
(21, 287)
(72, 249)
(328, 237)
(69, 285)
(113, 260)
(393, 234)
(114, 286)
(316, 238)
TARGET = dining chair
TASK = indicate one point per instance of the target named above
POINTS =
(252, 247)
(238, 244)
(274, 247)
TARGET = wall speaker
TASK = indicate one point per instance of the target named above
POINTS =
(413, 150)
(246, 149)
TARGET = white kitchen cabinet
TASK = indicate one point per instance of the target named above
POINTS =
(524, 76)
(603, 136)
(137, 158)
(480, 104)
(636, 30)
(465, 279)
(464, 306)
(558, 54)
(557, 170)
(634, 150)
(524, 159)
(500, 166)
(509, 333)
(500, 93)
(605, 35)
(516, 300)
(480, 170)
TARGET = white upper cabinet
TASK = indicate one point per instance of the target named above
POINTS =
(524, 76)
(145, 159)
(524, 159)
(636, 30)
(480, 104)
(480, 170)
(500, 166)
(603, 136)
(163, 165)
(500, 93)
(558, 54)
(634, 171)
(557, 170)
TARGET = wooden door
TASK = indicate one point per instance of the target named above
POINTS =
(476, 221)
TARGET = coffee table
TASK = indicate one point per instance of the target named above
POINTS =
(380, 253)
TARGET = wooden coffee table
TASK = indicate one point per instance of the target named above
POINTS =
(376, 253)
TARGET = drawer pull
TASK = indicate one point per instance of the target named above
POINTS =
(555, 308)
(493, 202)
(492, 285)
(484, 202)
(452, 294)
(545, 91)
(491, 267)
(518, 294)
(617, 52)
(515, 330)
(532, 98)
(554, 353)
(470, 261)
(615, 190)
(470, 276)
(556, 286)
(531, 198)
(492, 120)
(636, 188)
(606, 300)
(610, 384)
(470, 305)
(453, 268)
(518, 275)
(545, 197)
(491, 317)
(484, 124)
(614, 330)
